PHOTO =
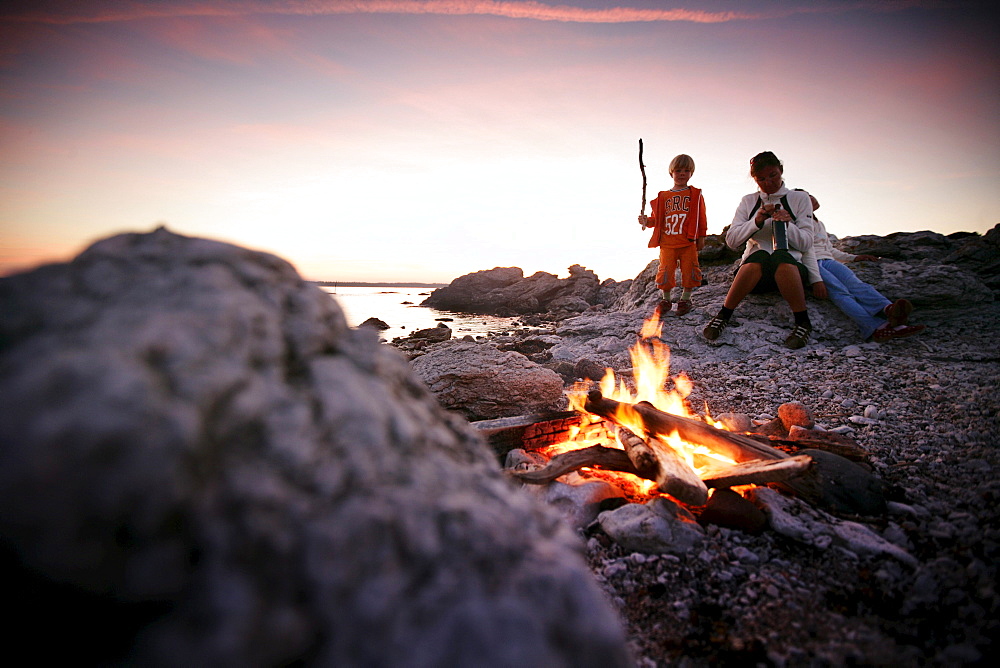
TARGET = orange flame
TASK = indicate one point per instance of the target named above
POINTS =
(651, 376)
(651, 382)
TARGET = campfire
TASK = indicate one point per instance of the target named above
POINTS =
(643, 432)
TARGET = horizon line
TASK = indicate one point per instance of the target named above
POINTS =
(379, 284)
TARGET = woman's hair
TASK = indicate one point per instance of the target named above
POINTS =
(765, 159)
(682, 161)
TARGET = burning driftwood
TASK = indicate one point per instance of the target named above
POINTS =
(686, 456)
(654, 459)
(658, 461)
(655, 422)
(759, 472)
(611, 459)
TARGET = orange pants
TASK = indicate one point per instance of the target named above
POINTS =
(690, 271)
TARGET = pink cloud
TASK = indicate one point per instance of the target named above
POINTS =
(110, 11)
(100, 12)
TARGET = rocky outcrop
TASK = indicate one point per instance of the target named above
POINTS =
(957, 274)
(931, 269)
(201, 463)
(481, 381)
(505, 291)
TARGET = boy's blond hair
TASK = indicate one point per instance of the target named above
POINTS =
(682, 161)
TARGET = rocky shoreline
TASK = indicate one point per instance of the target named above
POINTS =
(773, 600)
(201, 462)
(925, 409)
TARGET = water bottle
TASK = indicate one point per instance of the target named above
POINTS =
(779, 237)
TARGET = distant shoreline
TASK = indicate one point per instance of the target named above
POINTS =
(356, 284)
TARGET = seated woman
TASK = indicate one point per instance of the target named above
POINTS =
(772, 260)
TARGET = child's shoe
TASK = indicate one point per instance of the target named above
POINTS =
(684, 307)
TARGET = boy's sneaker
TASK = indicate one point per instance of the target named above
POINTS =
(684, 307)
(663, 307)
(715, 327)
(798, 337)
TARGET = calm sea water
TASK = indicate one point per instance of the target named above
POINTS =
(399, 307)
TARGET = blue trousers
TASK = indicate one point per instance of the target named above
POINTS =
(859, 301)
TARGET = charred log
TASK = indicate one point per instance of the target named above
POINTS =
(737, 447)
(759, 472)
(530, 432)
(611, 459)
(639, 452)
(657, 461)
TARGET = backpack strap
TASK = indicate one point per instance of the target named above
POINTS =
(755, 207)
(784, 203)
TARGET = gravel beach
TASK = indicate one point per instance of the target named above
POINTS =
(926, 409)
(203, 463)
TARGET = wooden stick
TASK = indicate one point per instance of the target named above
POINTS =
(737, 447)
(838, 444)
(642, 168)
(658, 461)
(759, 472)
(676, 477)
(530, 432)
(611, 459)
(639, 452)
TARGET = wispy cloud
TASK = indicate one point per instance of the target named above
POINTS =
(102, 12)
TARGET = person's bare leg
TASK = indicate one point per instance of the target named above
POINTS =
(746, 278)
(790, 286)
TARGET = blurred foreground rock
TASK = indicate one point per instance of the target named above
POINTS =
(201, 464)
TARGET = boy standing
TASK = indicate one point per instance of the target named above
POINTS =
(679, 227)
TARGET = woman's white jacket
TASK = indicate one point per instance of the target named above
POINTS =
(799, 232)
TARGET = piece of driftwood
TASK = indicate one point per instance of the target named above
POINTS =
(611, 459)
(639, 452)
(830, 441)
(658, 461)
(737, 447)
(676, 477)
(759, 472)
(530, 432)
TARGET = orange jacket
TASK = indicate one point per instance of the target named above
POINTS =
(696, 223)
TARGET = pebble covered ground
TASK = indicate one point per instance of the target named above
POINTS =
(926, 410)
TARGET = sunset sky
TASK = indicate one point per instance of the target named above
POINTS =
(408, 140)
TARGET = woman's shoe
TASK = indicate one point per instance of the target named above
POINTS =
(798, 338)
(715, 327)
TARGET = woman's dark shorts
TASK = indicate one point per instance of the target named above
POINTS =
(769, 264)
